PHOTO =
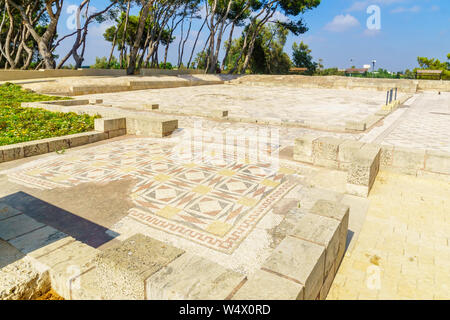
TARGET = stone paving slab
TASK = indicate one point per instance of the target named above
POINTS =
(402, 251)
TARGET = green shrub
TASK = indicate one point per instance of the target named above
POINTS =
(18, 124)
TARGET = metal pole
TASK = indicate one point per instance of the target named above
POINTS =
(396, 93)
(387, 98)
(390, 98)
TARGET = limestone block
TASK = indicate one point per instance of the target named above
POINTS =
(437, 161)
(303, 148)
(363, 170)
(68, 263)
(17, 225)
(108, 124)
(409, 160)
(34, 148)
(181, 280)
(154, 106)
(301, 261)
(325, 151)
(22, 280)
(151, 127)
(347, 151)
(327, 283)
(86, 287)
(337, 211)
(12, 152)
(57, 144)
(123, 269)
(371, 120)
(355, 125)
(42, 251)
(77, 140)
(263, 285)
(219, 113)
(116, 133)
(95, 101)
(386, 156)
(320, 230)
(96, 136)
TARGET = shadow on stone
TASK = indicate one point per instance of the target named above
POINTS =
(64, 221)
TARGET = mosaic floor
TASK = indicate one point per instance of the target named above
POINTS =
(215, 204)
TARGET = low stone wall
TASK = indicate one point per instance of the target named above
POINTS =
(145, 125)
(363, 160)
(302, 265)
(339, 82)
(11, 75)
(104, 129)
(152, 72)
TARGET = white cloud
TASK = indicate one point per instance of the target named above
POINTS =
(342, 23)
(413, 9)
(435, 8)
(363, 4)
(278, 16)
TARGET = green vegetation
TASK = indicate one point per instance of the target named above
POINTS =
(266, 57)
(19, 124)
(435, 64)
(301, 56)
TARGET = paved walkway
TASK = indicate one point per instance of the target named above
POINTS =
(425, 124)
(403, 250)
(327, 106)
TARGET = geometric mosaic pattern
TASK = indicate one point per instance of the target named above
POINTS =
(214, 205)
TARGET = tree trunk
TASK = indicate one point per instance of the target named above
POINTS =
(137, 41)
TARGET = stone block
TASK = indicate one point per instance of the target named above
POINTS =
(337, 211)
(320, 230)
(371, 120)
(95, 101)
(77, 140)
(12, 152)
(409, 160)
(437, 161)
(117, 133)
(263, 285)
(57, 144)
(363, 170)
(181, 280)
(86, 287)
(151, 127)
(325, 152)
(97, 136)
(22, 280)
(327, 283)
(355, 125)
(301, 261)
(17, 225)
(67, 263)
(219, 113)
(303, 148)
(123, 269)
(34, 148)
(154, 106)
(109, 124)
(347, 151)
(386, 156)
(7, 211)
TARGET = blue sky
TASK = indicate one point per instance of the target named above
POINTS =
(337, 33)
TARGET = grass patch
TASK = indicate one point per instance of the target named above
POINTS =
(18, 124)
